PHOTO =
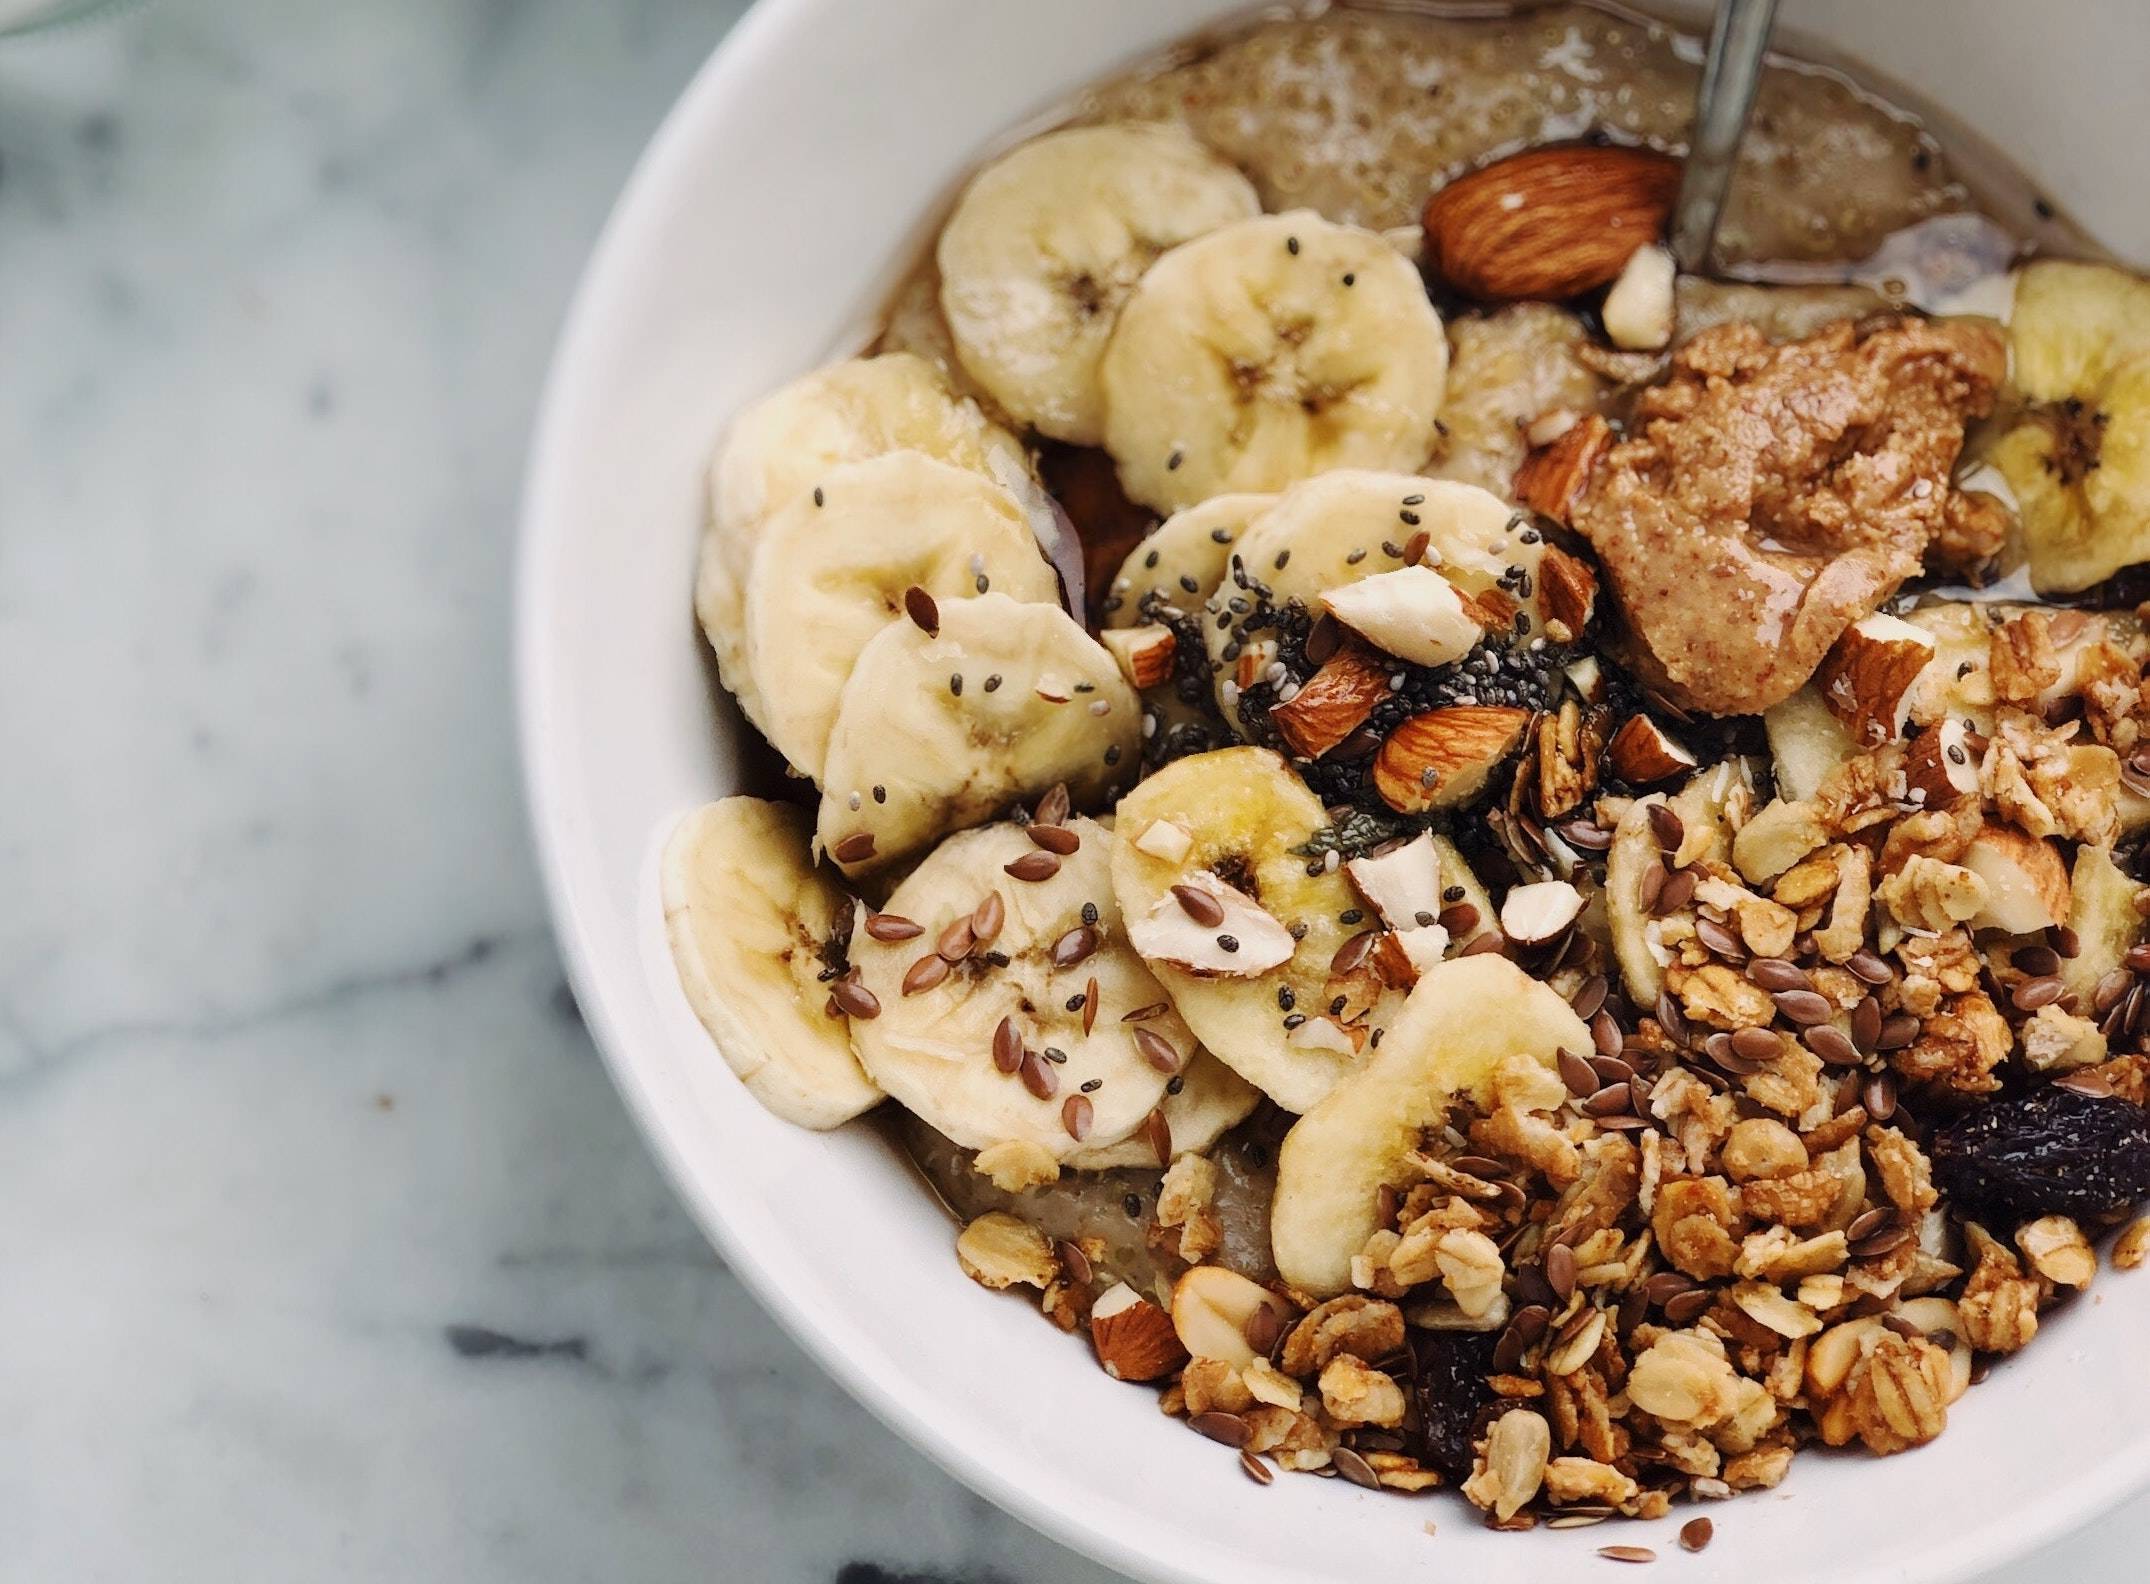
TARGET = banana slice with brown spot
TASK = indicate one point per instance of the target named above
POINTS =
(2079, 460)
(753, 925)
(1046, 243)
(1266, 352)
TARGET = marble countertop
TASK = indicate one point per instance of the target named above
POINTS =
(326, 1251)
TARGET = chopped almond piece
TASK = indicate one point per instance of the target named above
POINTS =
(1866, 678)
(1145, 654)
(1553, 477)
(1332, 703)
(1569, 590)
(1939, 767)
(1443, 757)
(1643, 753)
(1134, 1338)
(1413, 613)
(1241, 940)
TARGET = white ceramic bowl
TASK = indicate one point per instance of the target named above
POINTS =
(754, 238)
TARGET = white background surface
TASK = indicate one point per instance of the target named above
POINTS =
(325, 1249)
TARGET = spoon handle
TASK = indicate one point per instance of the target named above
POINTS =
(1730, 74)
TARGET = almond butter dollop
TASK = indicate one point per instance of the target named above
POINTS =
(1769, 496)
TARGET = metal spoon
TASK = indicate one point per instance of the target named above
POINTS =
(1730, 74)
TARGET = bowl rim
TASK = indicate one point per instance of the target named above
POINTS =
(759, 34)
(1158, 1552)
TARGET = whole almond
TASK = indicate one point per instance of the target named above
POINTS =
(1549, 223)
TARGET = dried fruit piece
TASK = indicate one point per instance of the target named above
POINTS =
(2050, 1152)
(1449, 1378)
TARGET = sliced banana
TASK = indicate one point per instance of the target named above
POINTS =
(938, 731)
(1047, 241)
(1211, 1099)
(832, 569)
(1806, 741)
(1268, 351)
(749, 918)
(2079, 460)
(1635, 849)
(2101, 912)
(1464, 1018)
(933, 1046)
(779, 449)
(1243, 812)
(1352, 524)
(1183, 559)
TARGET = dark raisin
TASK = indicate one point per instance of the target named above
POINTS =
(1449, 1371)
(2050, 1152)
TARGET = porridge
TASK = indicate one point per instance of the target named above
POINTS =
(1490, 865)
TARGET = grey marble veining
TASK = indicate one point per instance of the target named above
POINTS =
(326, 1251)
